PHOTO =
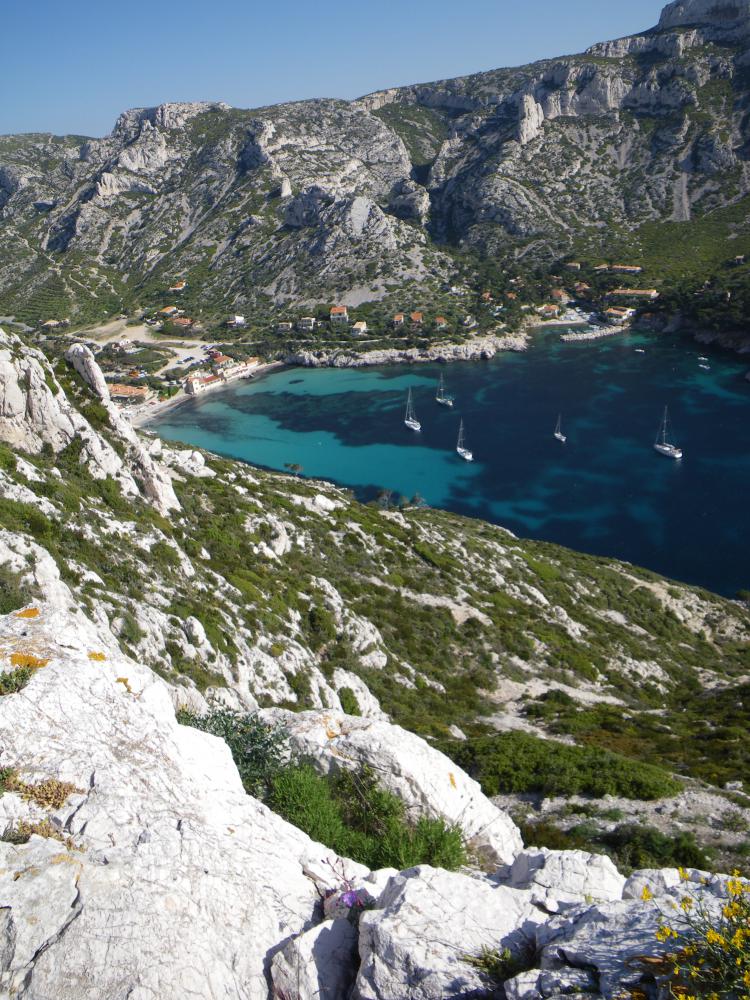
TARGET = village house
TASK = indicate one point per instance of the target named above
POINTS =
(236, 322)
(284, 327)
(306, 323)
(573, 265)
(511, 295)
(549, 311)
(581, 287)
(440, 322)
(634, 293)
(417, 318)
(740, 259)
(602, 267)
(559, 295)
(182, 322)
(339, 314)
(360, 328)
(398, 320)
(219, 360)
(486, 296)
(129, 395)
(618, 316)
(195, 384)
(178, 286)
(626, 268)
(168, 311)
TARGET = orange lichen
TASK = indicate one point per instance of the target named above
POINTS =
(27, 660)
(452, 779)
(126, 683)
(97, 656)
(28, 613)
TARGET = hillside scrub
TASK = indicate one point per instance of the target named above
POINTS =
(347, 811)
(519, 763)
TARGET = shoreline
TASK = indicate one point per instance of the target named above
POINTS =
(141, 416)
(479, 349)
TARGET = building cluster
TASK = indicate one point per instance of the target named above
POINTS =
(223, 369)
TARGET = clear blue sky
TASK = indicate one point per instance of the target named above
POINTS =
(73, 65)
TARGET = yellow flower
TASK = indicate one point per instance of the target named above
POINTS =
(686, 904)
(713, 937)
(646, 895)
(683, 875)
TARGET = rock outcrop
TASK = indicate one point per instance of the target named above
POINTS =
(422, 777)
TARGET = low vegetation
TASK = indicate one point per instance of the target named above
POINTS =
(520, 763)
(347, 811)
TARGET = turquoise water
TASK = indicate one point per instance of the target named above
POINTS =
(606, 491)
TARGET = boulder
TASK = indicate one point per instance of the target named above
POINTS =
(317, 965)
(427, 781)
(560, 879)
(429, 925)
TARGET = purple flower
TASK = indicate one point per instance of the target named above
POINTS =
(351, 898)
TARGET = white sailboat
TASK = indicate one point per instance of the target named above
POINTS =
(558, 431)
(410, 419)
(463, 451)
(441, 396)
(662, 445)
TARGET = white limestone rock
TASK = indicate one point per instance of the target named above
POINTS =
(428, 922)
(422, 777)
(317, 965)
(182, 885)
(560, 879)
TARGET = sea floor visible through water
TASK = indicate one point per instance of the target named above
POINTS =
(606, 491)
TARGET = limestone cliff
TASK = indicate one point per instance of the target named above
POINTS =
(320, 199)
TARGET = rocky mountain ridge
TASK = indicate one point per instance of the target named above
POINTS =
(309, 201)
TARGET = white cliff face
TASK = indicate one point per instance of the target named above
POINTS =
(152, 475)
(721, 14)
(422, 777)
(35, 412)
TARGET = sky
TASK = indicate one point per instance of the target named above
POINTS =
(71, 66)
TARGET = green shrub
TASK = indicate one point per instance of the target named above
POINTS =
(518, 762)
(350, 813)
(260, 751)
(349, 702)
(13, 593)
(14, 681)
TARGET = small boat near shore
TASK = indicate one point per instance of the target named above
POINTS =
(410, 418)
(661, 444)
(559, 436)
(461, 449)
(442, 397)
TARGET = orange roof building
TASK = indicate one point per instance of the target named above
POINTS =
(339, 314)
(417, 318)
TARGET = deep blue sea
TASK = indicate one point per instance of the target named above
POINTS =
(606, 491)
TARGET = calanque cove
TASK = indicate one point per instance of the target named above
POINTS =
(261, 741)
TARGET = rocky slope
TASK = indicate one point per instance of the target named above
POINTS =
(136, 579)
(148, 872)
(324, 199)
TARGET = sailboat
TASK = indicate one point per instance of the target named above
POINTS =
(410, 419)
(558, 431)
(463, 451)
(662, 445)
(441, 397)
